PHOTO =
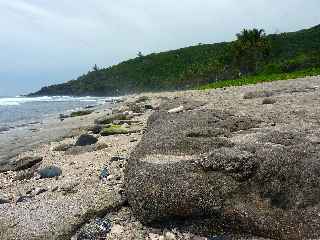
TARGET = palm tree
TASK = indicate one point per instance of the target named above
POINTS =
(251, 48)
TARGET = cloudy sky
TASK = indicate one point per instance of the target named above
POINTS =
(43, 42)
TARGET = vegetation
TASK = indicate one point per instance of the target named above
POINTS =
(253, 53)
(262, 78)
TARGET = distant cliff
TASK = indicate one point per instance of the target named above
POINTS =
(190, 67)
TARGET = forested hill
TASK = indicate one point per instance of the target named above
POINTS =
(193, 66)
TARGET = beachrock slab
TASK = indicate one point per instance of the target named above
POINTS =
(21, 164)
(60, 218)
(189, 165)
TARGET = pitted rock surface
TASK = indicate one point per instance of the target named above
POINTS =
(192, 164)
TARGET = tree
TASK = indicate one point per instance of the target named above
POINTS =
(95, 68)
(140, 54)
(251, 49)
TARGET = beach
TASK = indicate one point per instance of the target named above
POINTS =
(89, 197)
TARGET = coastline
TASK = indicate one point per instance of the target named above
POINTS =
(71, 204)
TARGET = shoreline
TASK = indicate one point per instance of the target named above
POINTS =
(90, 192)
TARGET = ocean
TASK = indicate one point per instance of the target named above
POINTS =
(17, 111)
(27, 122)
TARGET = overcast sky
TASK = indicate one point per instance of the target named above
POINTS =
(43, 42)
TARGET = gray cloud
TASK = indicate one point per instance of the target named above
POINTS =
(44, 42)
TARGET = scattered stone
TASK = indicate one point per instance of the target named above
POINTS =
(117, 158)
(169, 236)
(269, 101)
(102, 146)
(104, 174)
(96, 229)
(50, 172)
(4, 198)
(133, 140)
(149, 107)
(176, 110)
(96, 129)
(85, 140)
(62, 147)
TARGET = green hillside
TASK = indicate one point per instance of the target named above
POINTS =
(193, 66)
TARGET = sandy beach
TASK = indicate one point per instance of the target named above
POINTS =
(85, 197)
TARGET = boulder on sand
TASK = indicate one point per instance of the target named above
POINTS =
(189, 164)
(86, 139)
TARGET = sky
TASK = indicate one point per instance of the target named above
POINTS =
(45, 42)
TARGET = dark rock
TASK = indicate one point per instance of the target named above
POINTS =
(4, 129)
(267, 185)
(269, 101)
(149, 107)
(50, 172)
(96, 229)
(85, 140)
(96, 129)
(117, 158)
(21, 164)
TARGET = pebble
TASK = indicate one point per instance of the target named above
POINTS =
(50, 172)
(4, 199)
(176, 110)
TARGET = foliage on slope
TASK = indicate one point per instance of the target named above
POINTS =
(193, 66)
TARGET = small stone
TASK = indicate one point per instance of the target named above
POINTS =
(104, 174)
(117, 158)
(169, 236)
(4, 199)
(176, 110)
(50, 172)
(269, 101)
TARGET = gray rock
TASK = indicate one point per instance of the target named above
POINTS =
(266, 185)
(86, 139)
(50, 172)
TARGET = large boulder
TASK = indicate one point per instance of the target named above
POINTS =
(228, 168)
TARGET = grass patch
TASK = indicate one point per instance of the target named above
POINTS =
(262, 78)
